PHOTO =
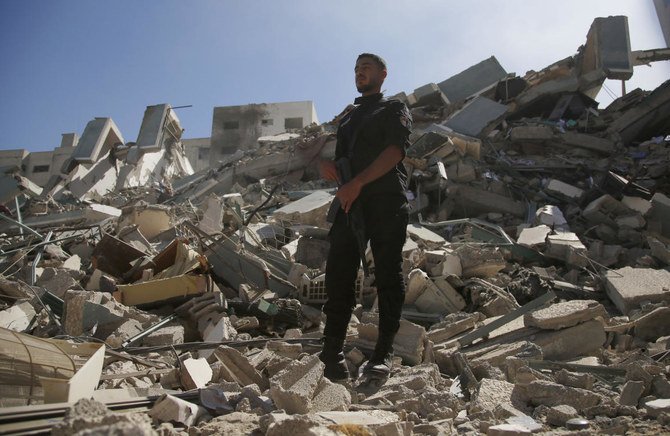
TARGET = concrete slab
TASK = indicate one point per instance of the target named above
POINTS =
(531, 133)
(569, 343)
(631, 393)
(100, 134)
(489, 395)
(608, 48)
(637, 204)
(195, 373)
(507, 430)
(417, 231)
(534, 237)
(628, 287)
(546, 393)
(476, 116)
(473, 79)
(237, 368)
(293, 388)
(559, 415)
(551, 216)
(564, 314)
(653, 325)
(172, 409)
(430, 94)
(18, 317)
(564, 189)
(330, 396)
(656, 407)
(310, 210)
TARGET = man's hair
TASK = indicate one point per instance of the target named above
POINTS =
(378, 59)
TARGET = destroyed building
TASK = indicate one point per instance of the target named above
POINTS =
(140, 296)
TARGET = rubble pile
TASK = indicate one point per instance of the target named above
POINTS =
(162, 301)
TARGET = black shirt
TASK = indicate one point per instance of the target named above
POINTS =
(377, 123)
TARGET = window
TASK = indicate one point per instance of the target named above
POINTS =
(41, 169)
(203, 153)
(293, 123)
(231, 125)
(267, 122)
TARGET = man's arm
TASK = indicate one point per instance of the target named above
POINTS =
(386, 160)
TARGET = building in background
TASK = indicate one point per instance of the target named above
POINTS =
(239, 127)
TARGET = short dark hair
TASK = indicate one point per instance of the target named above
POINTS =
(378, 59)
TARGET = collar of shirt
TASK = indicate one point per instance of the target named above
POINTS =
(367, 99)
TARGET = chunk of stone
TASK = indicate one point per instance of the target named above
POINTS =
(575, 380)
(559, 415)
(569, 343)
(169, 408)
(540, 392)
(237, 368)
(293, 388)
(564, 189)
(165, 336)
(195, 373)
(330, 396)
(18, 317)
(409, 342)
(534, 236)
(628, 287)
(88, 416)
(285, 349)
(564, 314)
(656, 407)
(58, 281)
(631, 393)
(653, 325)
(489, 395)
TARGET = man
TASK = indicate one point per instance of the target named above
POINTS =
(374, 136)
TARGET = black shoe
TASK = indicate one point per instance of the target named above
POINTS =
(381, 362)
(333, 357)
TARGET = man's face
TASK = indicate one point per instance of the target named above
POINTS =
(369, 76)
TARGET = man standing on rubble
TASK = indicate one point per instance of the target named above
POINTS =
(373, 137)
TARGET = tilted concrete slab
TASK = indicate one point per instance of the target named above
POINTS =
(628, 287)
(98, 138)
(475, 116)
(564, 314)
(473, 79)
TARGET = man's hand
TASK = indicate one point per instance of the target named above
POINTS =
(328, 170)
(348, 193)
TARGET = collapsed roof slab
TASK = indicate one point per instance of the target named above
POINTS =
(608, 48)
(98, 138)
(472, 80)
(159, 125)
(476, 116)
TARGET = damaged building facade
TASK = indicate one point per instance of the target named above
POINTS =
(141, 296)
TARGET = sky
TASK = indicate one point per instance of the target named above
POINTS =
(65, 62)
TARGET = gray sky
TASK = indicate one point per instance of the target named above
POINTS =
(68, 61)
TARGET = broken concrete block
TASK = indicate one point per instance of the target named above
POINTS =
(309, 210)
(212, 215)
(660, 214)
(568, 247)
(58, 281)
(475, 201)
(564, 314)
(579, 340)
(478, 261)
(531, 133)
(430, 239)
(637, 204)
(546, 393)
(575, 380)
(294, 387)
(653, 325)
(430, 94)
(285, 349)
(563, 189)
(237, 368)
(551, 216)
(195, 373)
(461, 172)
(507, 430)
(559, 415)
(490, 394)
(330, 396)
(628, 287)
(165, 336)
(632, 221)
(659, 249)
(18, 317)
(311, 252)
(656, 407)
(534, 237)
(172, 409)
(432, 296)
(603, 209)
(589, 142)
(442, 334)
(72, 263)
(631, 393)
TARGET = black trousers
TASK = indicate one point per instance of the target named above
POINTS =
(386, 220)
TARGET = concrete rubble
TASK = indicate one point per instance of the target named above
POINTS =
(537, 264)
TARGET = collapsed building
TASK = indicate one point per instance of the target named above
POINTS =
(160, 300)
